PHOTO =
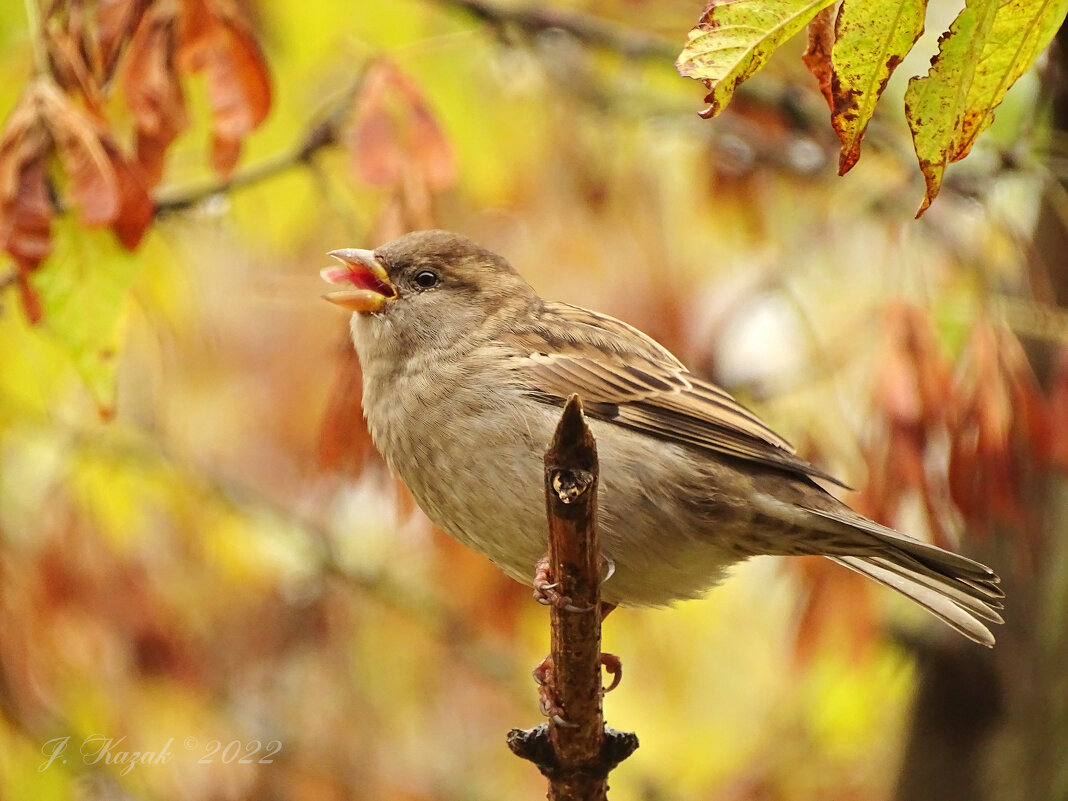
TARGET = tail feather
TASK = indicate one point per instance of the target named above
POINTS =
(956, 589)
(962, 590)
(933, 599)
(942, 561)
(978, 604)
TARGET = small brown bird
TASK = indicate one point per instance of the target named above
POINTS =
(465, 369)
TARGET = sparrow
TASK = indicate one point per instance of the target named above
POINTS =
(465, 371)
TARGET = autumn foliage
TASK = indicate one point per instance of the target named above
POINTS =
(226, 558)
(60, 147)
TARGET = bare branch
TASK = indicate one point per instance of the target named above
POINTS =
(591, 30)
(574, 750)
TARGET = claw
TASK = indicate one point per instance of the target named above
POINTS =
(613, 666)
(610, 563)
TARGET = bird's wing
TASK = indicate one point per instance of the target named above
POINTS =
(626, 378)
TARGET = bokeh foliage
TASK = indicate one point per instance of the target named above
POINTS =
(224, 558)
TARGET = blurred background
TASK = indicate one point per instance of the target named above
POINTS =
(203, 559)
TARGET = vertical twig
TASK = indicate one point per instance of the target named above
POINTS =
(574, 750)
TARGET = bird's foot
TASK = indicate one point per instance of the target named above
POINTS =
(612, 664)
(547, 592)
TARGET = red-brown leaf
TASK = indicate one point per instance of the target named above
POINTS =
(26, 208)
(27, 233)
(135, 204)
(373, 140)
(836, 609)
(1001, 430)
(217, 42)
(116, 21)
(393, 134)
(430, 148)
(91, 180)
(909, 404)
(817, 56)
(224, 154)
(1058, 412)
(153, 89)
(344, 442)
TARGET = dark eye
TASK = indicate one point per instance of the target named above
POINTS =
(426, 279)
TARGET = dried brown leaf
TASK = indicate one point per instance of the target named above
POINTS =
(153, 88)
(135, 204)
(344, 441)
(67, 64)
(393, 134)
(26, 208)
(91, 180)
(1001, 430)
(1058, 412)
(817, 56)
(217, 42)
(116, 21)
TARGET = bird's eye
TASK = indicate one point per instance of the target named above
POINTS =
(426, 279)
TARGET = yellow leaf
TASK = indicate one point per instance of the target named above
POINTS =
(83, 290)
(987, 48)
(735, 38)
(871, 39)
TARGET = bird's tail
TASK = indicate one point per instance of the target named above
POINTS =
(960, 591)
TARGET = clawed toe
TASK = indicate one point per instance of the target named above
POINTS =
(547, 592)
(613, 666)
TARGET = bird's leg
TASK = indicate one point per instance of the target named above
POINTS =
(612, 664)
(546, 592)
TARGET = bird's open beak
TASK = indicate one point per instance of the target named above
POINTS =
(367, 286)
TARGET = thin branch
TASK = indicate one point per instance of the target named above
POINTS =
(574, 750)
(533, 19)
(321, 135)
(807, 114)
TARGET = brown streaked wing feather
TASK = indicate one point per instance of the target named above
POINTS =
(626, 378)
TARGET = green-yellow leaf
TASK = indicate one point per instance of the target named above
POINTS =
(735, 38)
(871, 39)
(988, 47)
(83, 289)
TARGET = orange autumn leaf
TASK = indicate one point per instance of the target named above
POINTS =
(26, 208)
(1001, 430)
(344, 442)
(101, 184)
(98, 181)
(1058, 412)
(393, 133)
(909, 403)
(91, 182)
(817, 56)
(217, 42)
(153, 88)
(116, 22)
(135, 204)
(26, 229)
(837, 607)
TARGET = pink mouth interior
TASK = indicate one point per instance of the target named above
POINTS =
(359, 276)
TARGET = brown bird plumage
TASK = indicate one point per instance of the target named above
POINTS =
(465, 370)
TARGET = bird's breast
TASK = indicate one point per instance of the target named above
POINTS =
(472, 461)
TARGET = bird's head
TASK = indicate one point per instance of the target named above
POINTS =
(428, 289)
